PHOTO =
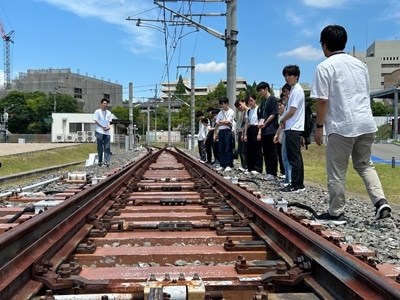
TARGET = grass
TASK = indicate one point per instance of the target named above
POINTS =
(314, 171)
(314, 167)
(41, 159)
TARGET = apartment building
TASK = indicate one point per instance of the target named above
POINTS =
(87, 90)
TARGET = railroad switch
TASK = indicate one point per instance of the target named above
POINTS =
(175, 226)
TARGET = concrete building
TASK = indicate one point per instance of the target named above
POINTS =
(382, 58)
(87, 90)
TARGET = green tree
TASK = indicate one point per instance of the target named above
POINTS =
(28, 110)
(180, 90)
(120, 112)
(380, 109)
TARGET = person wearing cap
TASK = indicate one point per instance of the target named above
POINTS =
(102, 118)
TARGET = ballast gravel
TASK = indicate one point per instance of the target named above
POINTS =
(382, 237)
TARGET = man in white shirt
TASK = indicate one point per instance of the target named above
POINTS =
(102, 118)
(201, 136)
(224, 121)
(341, 87)
(293, 124)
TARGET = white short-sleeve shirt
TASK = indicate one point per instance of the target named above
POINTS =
(343, 80)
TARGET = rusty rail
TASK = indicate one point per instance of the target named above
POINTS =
(30, 257)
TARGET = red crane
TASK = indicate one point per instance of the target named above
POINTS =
(7, 61)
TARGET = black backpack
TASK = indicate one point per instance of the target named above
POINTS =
(308, 125)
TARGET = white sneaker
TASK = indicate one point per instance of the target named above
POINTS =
(227, 169)
(269, 177)
(241, 169)
(219, 169)
(254, 172)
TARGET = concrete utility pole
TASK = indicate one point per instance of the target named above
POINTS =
(192, 100)
(131, 137)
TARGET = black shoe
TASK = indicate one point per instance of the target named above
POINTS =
(326, 218)
(99, 164)
(292, 189)
(383, 210)
(106, 164)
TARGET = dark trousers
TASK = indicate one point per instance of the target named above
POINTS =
(242, 150)
(209, 142)
(254, 151)
(225, 148)
(270, 154)
(293, 150)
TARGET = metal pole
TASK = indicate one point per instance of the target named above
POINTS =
(230, 43)
(148, 124)
(130, 115)
(192, 101)
(396, 114)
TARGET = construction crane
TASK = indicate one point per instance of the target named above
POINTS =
(7, 61)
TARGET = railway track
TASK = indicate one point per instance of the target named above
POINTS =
(168, 227)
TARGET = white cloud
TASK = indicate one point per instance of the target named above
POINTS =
(141, 39)
(211, 67)
(294, 17)
(306, 52)
(324, 3)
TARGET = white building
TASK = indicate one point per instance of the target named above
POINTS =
(382, 58)
(74, 127)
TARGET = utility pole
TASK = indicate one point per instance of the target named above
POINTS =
(131, 137)
(192, 99)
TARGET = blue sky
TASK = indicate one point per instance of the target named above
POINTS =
(93, 37)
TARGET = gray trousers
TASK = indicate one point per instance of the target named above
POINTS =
(338, 151)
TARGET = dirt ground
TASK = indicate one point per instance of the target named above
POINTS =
(15, 148)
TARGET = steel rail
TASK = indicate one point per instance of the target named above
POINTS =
(338, 273)
(332, 273)
(40, 238)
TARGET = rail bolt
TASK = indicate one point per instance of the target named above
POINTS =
(40, 270)
(64, 271)
(196, 276)
(281, 267)
(167, 277)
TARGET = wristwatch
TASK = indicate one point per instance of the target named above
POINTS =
(320, 125)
